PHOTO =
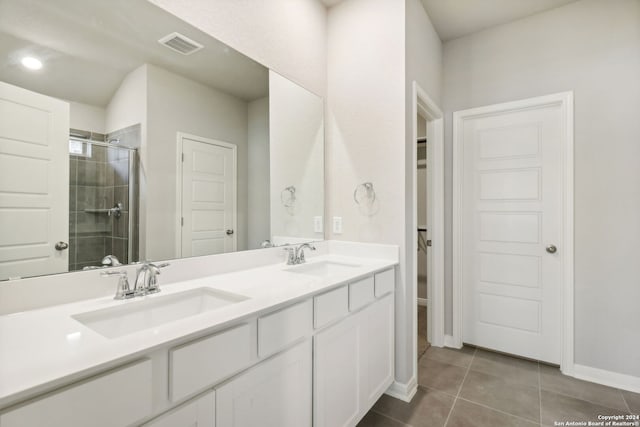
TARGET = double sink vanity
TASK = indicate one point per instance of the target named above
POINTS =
(269, 345)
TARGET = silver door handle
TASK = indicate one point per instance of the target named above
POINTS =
(229, 232)
(552, 249)
(61, 246)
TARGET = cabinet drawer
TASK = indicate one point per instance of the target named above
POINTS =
(200, 412)
(207, 361)
(360, 293)
(117, 398)
(330, 306)
(279, 329)
(385, 282)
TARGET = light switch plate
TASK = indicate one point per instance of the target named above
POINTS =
(337, 225)
(317, 224)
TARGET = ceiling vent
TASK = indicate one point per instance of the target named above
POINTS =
(180, 43)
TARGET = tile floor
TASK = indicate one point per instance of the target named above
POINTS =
(473, 387)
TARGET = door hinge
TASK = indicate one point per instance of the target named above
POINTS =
(429, 242)
(182, 221)
(183, 157)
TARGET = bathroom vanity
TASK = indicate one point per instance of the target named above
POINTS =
(275, 345)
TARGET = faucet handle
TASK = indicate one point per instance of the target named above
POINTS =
(123, 291)
(291, 255)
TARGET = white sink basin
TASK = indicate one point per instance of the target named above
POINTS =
(324, 268)
(149, 313)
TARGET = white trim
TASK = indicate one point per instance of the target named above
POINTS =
(449, 342)
(608, 378)
(423, 104)
(565, 101)
(403, 391)
(178, 219)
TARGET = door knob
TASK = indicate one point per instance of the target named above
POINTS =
(552, 249)
(229, 232)
(61, 246)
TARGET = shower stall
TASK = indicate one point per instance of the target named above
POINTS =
(103, 197)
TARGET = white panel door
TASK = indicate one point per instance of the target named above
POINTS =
(199, 412)
(208, 197)
(34, 183)
(275, 393)
(511, 211)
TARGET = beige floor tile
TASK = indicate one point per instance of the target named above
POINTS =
(558, 407)
(633, 400)
(467, 414)
(428, 408)
(506, 367)
(553, 380)
(451, 356)
(517, 399)
(373, 419)
(440, 376)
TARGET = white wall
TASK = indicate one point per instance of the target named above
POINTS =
(177, 104)
(128, 106)
(296, 153)
(365, 124)
(288, 36)
(258, 208)
(87, 117)
(593, 48)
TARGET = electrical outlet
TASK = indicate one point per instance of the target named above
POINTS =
(317, 224)
(337, 225)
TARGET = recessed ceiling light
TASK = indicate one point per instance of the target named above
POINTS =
(31, 63)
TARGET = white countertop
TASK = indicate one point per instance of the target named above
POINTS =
(45, 348)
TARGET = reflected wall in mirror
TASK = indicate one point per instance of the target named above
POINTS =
(134, 134)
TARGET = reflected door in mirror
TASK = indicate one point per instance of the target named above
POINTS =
(34, 177)
(208, 196)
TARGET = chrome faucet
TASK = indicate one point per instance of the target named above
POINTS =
(123, 291)
(111, 261)
(296, 255)
(146, 278)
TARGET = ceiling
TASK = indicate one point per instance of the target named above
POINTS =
(89, 46)
(457, 18)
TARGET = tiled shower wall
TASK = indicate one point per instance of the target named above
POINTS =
(99, 181)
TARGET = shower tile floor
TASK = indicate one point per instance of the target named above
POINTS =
(479, 388)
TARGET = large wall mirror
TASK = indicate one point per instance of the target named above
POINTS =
(125, 131)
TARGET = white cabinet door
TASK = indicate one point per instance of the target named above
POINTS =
(199, 412)
(275, 393)
(377, 349)
(338, 371)
(353, 364)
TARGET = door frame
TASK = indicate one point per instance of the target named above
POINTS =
(180, 136)
(427, 108)
(564, 100)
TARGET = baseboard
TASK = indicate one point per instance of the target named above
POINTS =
(402, 391)
(422, 302)
(450, 342)
(608, 378)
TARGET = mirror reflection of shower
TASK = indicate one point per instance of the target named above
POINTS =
(103, 197)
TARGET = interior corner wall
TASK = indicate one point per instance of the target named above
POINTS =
(593, 48)
(258, 204)
(424, 66)
(365, 132)
(286, 36)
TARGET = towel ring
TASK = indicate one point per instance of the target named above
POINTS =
(364, 193)
(288, 196)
